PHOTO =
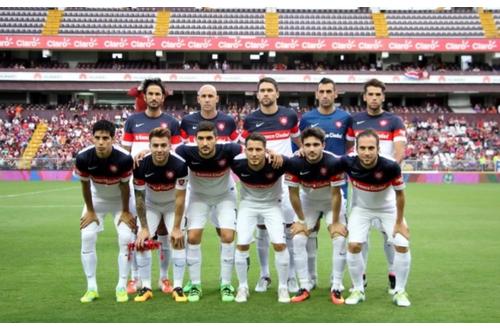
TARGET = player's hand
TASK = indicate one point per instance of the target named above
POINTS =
(139, 157)
(128, 219)
(298, 228)
(274, 158)
(177, 238)
(142, 236)
(402, 229)
(87, 219)
(336, 229)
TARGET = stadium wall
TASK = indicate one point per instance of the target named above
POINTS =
(433, 178)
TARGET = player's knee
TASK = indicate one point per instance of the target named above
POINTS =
(354, 247)
(245, 247)
(299, 241)
(226, 236)
(89, 239)
(401, 249)
(125, 236)
(279, 247)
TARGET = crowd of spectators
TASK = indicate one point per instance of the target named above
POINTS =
(446, 143)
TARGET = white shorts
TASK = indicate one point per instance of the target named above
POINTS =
(361, 219)
(154, 214)
(314, 210)
(269, 214)
(199, 208)
(102, 207)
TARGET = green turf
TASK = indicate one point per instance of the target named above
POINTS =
(454, 276)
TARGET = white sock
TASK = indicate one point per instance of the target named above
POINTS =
(312, 251)
(338, 262)
(134, 270)
(193, 260)
(356, 267)
(281, 261)
(389, 253)
(165, 253)
(226, 262)
(125, 236)
(144, 266)
(179, 263)
(300, 258)
(263, 251)
(289, 245)
(402, 263)
(241, 265)
(364, 251)
(89, 257)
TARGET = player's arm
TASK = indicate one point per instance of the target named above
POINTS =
(89, 216)
(126, 216)
(349, 146)
(298, 223)
(399, 151)
(140, 205)
(336, 228)
(297, 141)
(400, 226)
(176, 236)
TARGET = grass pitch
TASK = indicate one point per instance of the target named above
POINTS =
(454, 274)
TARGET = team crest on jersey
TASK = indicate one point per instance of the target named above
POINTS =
(221, 126)
(164, 125)
(383, 122)
(269, 175)
(323, 170)
(113, 168)
(222, 162)
(338, 123)
(169, 174)
(378, 175)
(283, 120)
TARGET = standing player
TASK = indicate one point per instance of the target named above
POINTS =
(279, 125)
(225, 125)
(261, 191)
(320, 176)
(210, 187)
(104, 171)
(160, 190)
(336, 123)
(136, 140)
(391, 132)
(378, 193)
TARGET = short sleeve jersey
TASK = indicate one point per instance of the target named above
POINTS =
(210, 176)
(105, 174)
(160, 182)
(374, 188)
(277, 128)
(138, 126)
(315, 179)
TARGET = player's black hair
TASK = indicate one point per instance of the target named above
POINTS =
(374, 83)
(153, 82)
(159, 132)
(316, 132)
(206, 126)
(256, 137)
(267, 80)
(104, 125)
(367, 133)
(325, 81)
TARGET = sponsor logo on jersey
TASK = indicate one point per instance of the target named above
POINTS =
(283, 120)
(259, 124)
(147, 175)
(332, 135)
(92, 168)
(360, 122)
(314, 125)
(304, 173)
(139, 125)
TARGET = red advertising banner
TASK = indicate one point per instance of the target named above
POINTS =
(251, 44)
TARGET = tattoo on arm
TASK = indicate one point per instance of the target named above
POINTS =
(140, 204)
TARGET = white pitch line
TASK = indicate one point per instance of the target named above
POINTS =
(36, 192)
(37, 206)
